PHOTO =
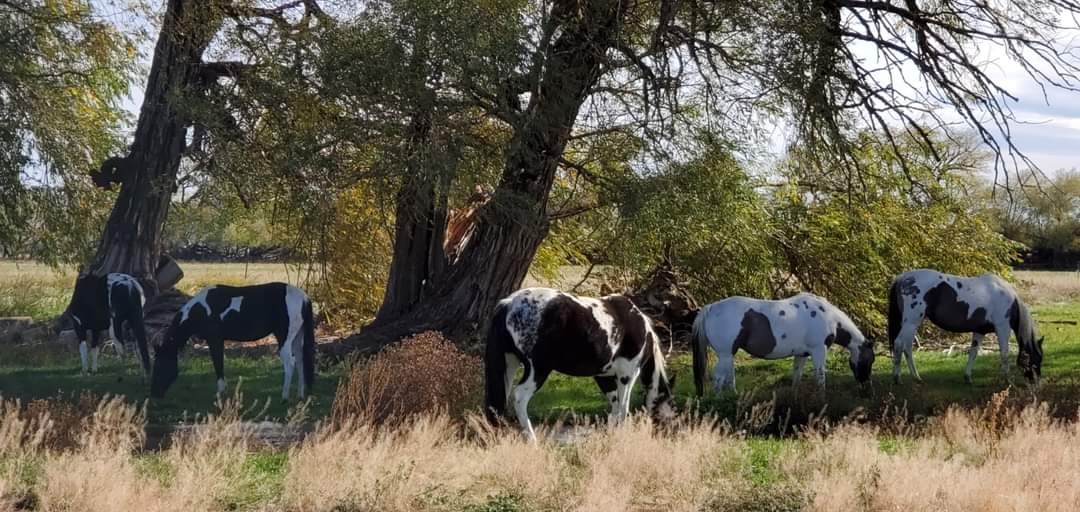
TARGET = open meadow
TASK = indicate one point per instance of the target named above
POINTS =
(940, 445)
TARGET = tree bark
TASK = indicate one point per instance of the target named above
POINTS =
(419, 224)
(510, 227)
(132, 239)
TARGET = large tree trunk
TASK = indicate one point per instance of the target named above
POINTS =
(132, 239)
(419, 224)
(511, 226)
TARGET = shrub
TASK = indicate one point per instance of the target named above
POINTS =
(357, 253)
(425, 373)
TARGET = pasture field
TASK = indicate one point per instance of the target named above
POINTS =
(36, 290)
(884, 448)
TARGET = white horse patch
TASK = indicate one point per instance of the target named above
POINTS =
(523, 318)
(200, 299)
(234, 305)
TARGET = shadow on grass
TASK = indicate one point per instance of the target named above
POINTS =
(259, 378)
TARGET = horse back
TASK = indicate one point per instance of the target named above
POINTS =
(957, 303)
(89, 302)
(769, 328)
(246, 313)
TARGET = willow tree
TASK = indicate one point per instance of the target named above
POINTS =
(63, 69)
(179, 75)
(545, 75)
(650, 66)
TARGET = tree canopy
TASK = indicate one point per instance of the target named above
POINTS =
(591, 130)
(64, 69)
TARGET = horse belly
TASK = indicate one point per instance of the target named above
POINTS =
(576, 361)
(236, 327)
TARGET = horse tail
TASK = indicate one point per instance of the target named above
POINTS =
(700, 344)
(498, 339)
(308, 349)
(896, 313)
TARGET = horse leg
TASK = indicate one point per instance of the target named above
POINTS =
(217, 355)
(512, 366)
(1003, 333)
(81, 333)
(911, 363)
(523, 393)
(724, 374)
(973, 352)
(900, 347)
(818, 357)
(288, 358)
(95, 347)
(624, 384)
(610, 390)
(116, 330)
(796, 370)
(141, 347)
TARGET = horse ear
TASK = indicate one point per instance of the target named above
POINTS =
(1041, 338)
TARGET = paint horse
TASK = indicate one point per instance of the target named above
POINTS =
(546, 330)
(979, 305)
(108, 302)
(242, 313)
(801, 326)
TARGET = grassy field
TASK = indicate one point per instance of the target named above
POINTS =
(36, 290)
(884, 448)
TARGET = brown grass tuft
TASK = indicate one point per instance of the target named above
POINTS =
(992, 459)
(423, 374)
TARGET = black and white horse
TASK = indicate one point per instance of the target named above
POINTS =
(979, 305)
(107, 302)
(242, 313)
(546, 330)
(801, 326)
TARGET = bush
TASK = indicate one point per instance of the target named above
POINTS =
(422, 374)
(358, 254)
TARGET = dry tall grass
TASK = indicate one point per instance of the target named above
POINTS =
(1039, 286)
(422, 374)
(994, 459)
(991, 460)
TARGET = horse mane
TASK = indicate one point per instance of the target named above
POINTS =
(1026, 332)
(171, 342)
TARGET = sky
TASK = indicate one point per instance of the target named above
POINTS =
(1047, 129)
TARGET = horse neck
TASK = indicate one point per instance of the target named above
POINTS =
(177, 338)
(1025, 327)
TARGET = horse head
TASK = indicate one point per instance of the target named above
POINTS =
(862, 361)
(1030, 360)
(166, 357)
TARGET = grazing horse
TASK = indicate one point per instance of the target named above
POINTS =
(979, 305)
(242, 313)
(546, 330)
(801, 326)
(106, 302)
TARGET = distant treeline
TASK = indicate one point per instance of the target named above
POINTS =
(208, 253)
(1050, 259)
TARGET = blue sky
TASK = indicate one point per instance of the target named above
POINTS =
(1047, 128)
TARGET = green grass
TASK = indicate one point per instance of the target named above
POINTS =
(28, 289)
(943, 380)
(30, 372)
(57, 373)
